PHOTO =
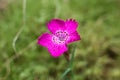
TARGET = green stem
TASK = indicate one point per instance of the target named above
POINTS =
(70, 65)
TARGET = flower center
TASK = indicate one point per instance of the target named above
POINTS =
(60, 37)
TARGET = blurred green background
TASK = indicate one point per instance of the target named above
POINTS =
(97, 56)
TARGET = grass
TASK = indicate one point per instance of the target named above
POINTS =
(97, 54)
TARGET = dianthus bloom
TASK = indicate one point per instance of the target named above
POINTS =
(61, 34)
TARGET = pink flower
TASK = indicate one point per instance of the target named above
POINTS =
(62, 33)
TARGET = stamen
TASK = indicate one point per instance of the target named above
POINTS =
(60, 37)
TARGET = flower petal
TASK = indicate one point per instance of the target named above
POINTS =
(71, 25)
(55, 50)
(45, 39)
(74, 37)
(55, 24)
